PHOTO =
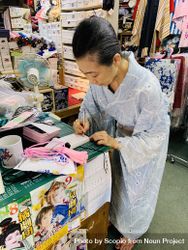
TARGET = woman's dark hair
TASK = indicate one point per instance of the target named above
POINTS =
(95, 35)
(8, 227)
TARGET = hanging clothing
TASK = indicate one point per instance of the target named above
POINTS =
(172, 7)
(135, 9)
(181, 20)
(148, 28)
(136, 114)
(162, 25)
(167, 71)
(136, 32)
(173, 29)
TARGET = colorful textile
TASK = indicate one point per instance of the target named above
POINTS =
(181, 20)
(58, 151)
(162, 25)
(173, 29)
(136, 32)
(135, 9)
(166, 70)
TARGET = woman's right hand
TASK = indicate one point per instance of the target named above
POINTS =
(81, 127)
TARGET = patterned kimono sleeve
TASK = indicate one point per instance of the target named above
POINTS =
(150, 133)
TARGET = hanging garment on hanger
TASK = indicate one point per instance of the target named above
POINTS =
(136, 33)
(166, 71)
(148, 27)
(181, 20)
(135, 9)
(162, 25)
(108, 4)
(173, 29)
(172, 6)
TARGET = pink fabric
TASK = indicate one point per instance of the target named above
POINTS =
(40, 15)
(47, 153)
(181, 20)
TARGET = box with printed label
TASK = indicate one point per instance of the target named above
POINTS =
(76, 83)
(67, 36)
(72, 68)
(72, 19)
(68, 52)
(81, 4)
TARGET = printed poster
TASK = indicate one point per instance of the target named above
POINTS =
(54, 206)
(16, 229)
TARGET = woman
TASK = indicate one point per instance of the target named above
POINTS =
(126, 110)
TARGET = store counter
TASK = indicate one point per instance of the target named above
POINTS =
(43, 208)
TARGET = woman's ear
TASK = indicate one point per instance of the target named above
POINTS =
(117, 59)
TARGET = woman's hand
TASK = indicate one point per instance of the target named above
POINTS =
(81, 127)
(103, 138)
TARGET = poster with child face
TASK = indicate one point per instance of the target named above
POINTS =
(54, 205)
(16, 229)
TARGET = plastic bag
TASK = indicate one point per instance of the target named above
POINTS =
(11, 100)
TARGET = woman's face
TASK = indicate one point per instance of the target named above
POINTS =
(13, 240)
(96, 73)
(46, 220)
(58, 196)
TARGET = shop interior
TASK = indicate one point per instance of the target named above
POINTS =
(41, 92)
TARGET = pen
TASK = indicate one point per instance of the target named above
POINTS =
(83, 117)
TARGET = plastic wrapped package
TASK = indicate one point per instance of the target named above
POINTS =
(10, 101)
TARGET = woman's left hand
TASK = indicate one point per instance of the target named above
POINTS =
(103, 138)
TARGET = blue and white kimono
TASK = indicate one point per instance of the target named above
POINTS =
(137, 115)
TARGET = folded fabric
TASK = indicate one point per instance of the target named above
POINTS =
(58, 153)
(64, 167)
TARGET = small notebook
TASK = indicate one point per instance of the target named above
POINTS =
(75, 140)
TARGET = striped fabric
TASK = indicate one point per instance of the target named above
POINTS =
(162, 23)
(173, 29)
(163, 19)
(137, 28)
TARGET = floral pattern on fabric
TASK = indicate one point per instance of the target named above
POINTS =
(166, 71)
